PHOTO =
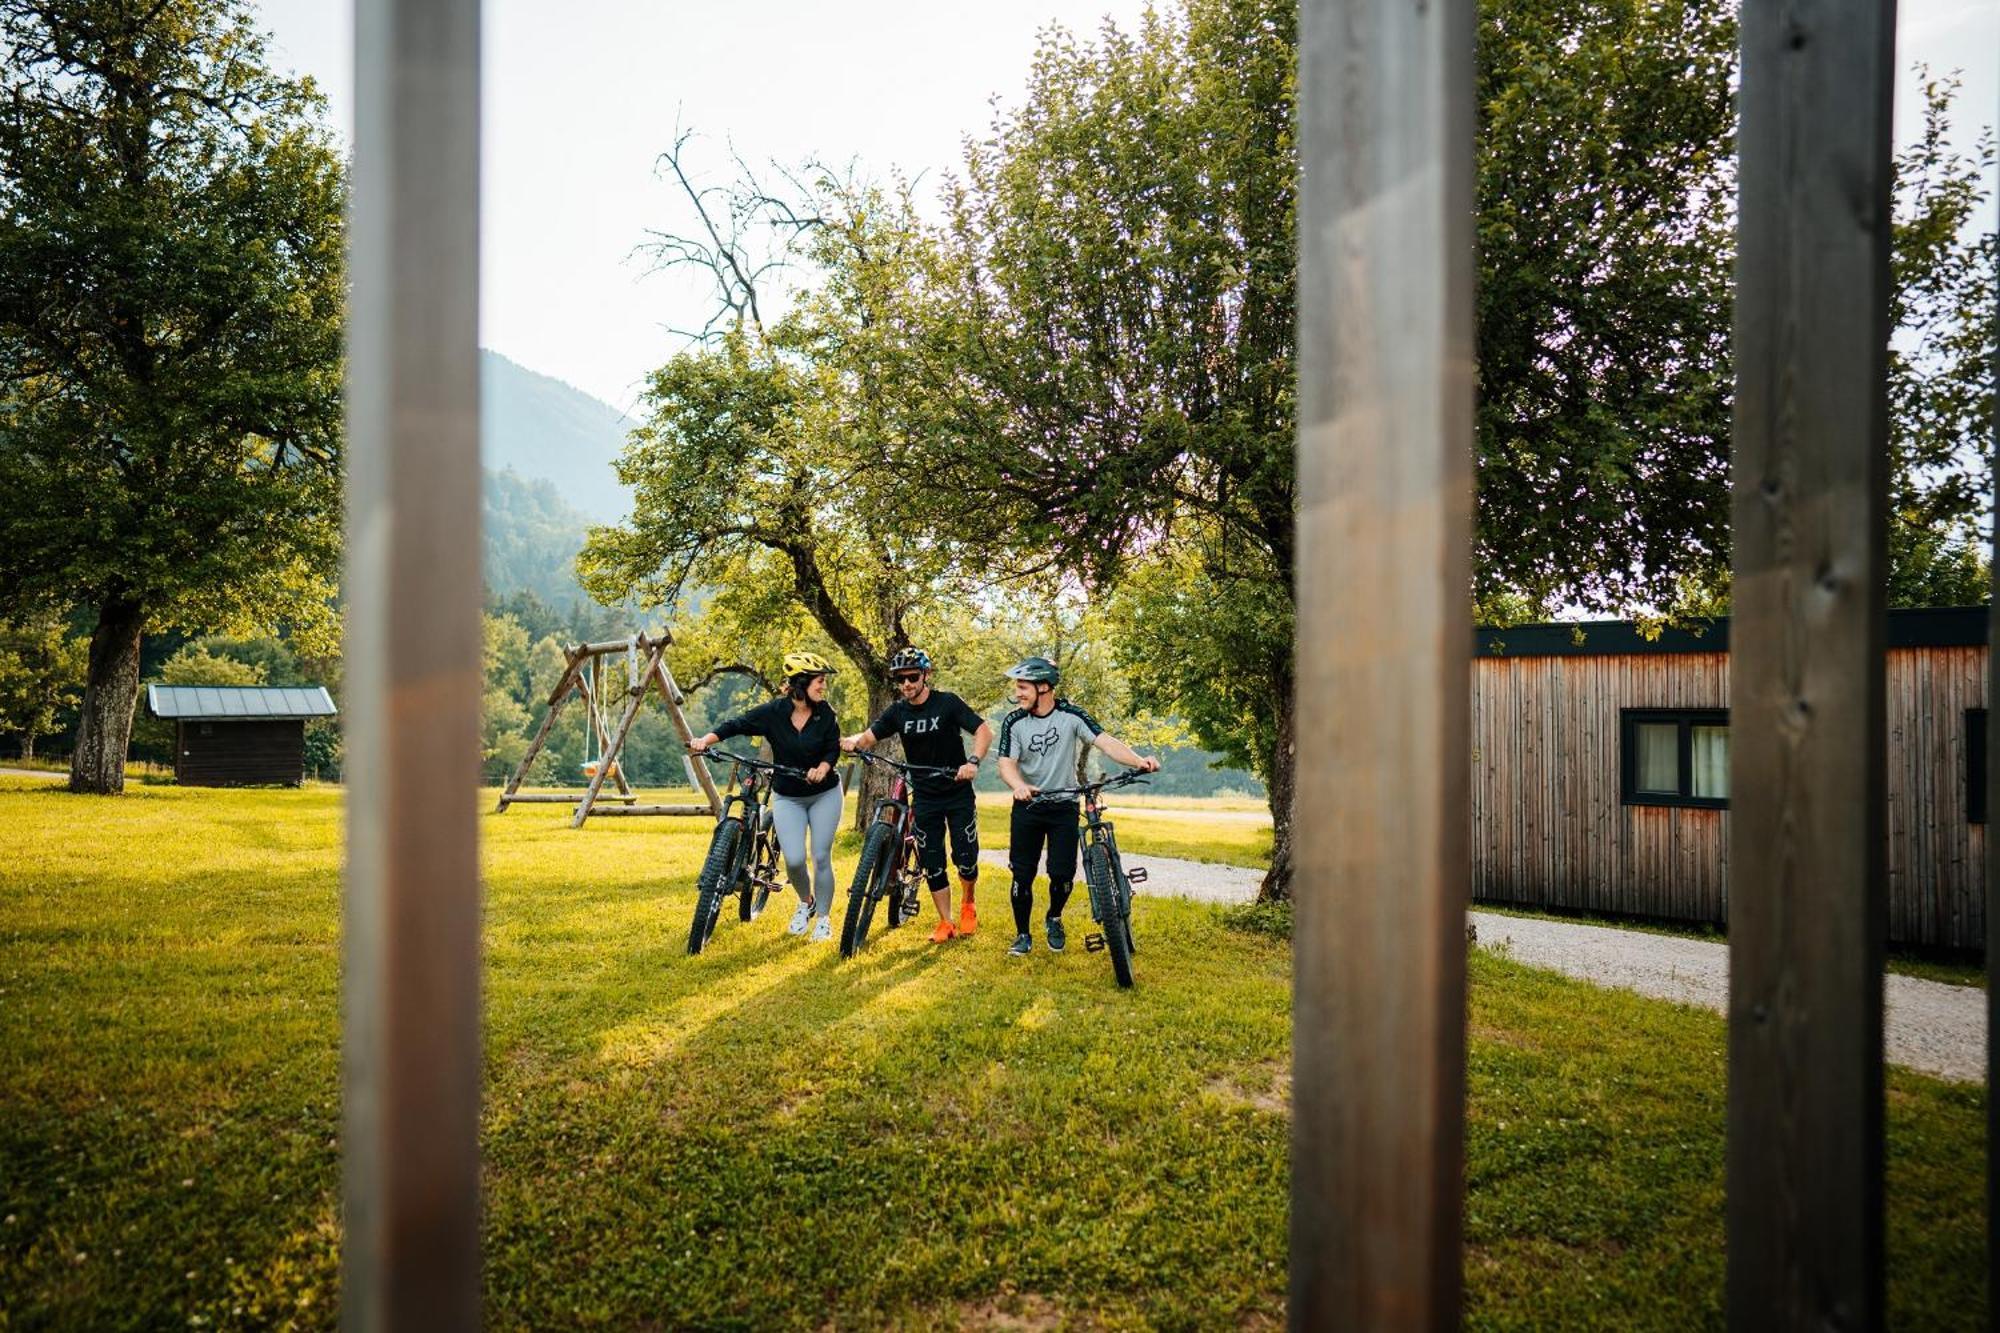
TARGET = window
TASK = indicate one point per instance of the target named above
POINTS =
(1975, 765)
(1675, 757)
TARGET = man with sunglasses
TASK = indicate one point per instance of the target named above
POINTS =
(932, 726)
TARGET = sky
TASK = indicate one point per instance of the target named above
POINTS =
(580, 99)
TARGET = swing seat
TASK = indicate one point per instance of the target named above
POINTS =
(590, 769)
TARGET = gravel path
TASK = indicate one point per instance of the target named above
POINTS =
(43, 774)
(1932, 1027)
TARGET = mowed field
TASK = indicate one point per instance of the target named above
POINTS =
(764, 1137)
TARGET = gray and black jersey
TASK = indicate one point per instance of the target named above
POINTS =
(1047, 748)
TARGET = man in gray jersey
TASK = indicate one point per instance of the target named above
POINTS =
(1040, 742)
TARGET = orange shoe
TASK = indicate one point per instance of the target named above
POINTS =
(968, 920)
(943, 932)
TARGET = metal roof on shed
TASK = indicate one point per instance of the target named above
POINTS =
(242, 703)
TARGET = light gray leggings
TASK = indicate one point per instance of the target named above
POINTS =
(792, 815)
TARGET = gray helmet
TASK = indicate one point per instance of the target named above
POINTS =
(1036, 671)
(910, 659)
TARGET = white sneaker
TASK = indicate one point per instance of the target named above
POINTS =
(799, 920)
(823, 929)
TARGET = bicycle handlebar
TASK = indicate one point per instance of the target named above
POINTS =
(714, 755)
(1129, 776)
(870, 757)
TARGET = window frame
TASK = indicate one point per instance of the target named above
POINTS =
(1685, 721)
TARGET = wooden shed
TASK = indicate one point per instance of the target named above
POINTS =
(239, 735)
(1600, 772)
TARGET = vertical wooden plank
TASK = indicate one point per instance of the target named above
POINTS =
(1992, 888)
(410, 1254)
(1385, 476)
(1807, 772)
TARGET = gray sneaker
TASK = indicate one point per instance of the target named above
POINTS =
(1057, 937)
(1021, 947)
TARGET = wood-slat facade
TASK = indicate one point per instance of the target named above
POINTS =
(229, 752)
(1551, 829)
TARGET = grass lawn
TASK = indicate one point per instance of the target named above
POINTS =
(763, 1137)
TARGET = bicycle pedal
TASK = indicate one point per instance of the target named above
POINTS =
(1093, 943)
(1135, 874)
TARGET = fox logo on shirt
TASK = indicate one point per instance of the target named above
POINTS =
(917, 726)
(1044, 741)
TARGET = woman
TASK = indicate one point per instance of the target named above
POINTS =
(804, 734)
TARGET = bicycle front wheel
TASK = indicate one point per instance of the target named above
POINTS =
(718, 876)
(1109, 905)
(877, 855)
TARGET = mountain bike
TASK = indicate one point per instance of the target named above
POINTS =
(890, 866)
(1105, 873)
(743, 851)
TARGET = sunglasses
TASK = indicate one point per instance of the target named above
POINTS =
(907, 677)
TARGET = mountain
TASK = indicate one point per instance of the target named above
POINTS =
(544, 430)
(532, 536)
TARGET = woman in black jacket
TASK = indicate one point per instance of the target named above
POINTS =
(803, 734)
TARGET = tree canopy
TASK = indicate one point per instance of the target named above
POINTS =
(170, 334)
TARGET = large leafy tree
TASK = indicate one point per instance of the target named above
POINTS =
(1121, 334)
(1944, 268)
(757, 469)
(170, 335)
(1122, 247)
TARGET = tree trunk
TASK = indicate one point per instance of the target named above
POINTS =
(1277, 886)
(28, 745)
(875, 780)
(104, 729)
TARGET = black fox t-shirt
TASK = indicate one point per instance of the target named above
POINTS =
(933, 733)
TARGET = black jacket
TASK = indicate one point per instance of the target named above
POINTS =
(818, 742)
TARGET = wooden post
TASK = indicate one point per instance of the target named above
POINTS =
(634, 700)
(558, 697)
(1807, 855)
(1384, 645)
(411, 1051)
(665, 678)
(1992, 741)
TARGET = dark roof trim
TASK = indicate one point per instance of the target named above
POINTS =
(1941, 627)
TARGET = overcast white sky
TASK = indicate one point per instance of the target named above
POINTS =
(581, 98)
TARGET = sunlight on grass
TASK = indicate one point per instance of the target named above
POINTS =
(924, 1137)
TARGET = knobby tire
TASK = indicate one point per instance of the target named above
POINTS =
(874, 867)
(1109, 906)
(717, 875)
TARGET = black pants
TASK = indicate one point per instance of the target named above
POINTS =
(1036, 822)
(959, 813)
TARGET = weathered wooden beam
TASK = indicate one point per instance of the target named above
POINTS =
(557, 798)
(410, 1247)
(1384, 633)
(603, 810)
(1992, 742)
(1807, 859)
(671, 689)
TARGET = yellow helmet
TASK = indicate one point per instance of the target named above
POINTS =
(806, 664)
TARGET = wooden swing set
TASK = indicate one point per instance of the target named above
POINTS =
(592, 677)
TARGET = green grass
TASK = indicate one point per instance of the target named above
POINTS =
(766, 1138)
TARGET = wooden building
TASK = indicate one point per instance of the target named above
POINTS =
(238, 735)
(1600, 772)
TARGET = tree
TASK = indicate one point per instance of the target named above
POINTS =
(757, 470)
(170, 336)
(41, 673)
(1941, 364)
(1118, 333)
